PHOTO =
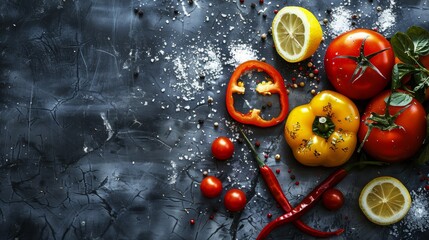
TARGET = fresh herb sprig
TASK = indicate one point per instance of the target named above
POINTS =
(409, 47)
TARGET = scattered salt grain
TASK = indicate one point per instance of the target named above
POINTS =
(240, 53)
(417, 219)
(341, 21)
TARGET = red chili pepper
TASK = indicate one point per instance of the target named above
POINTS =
(277, 192)
(306, 204)
(275, 85)
(311, 199)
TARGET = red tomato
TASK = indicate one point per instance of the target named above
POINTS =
(333, 199)
(222, 148)
(397, 144)
(211, 187)
(340, 67)
(235, 200)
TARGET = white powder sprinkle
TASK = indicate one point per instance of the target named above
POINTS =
(386, 19)
(240, 53)
(194, 68)
(417, 219)
(341, 21)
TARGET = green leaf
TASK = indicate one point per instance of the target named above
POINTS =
(399, 99)
(403, 47)
(422, 81)
(420, 38)
(400, 70)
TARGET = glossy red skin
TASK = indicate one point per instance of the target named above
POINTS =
(333, 199)
(340, 70)
(211, 187)
(222, 148)
(398, 144)
(235, 200)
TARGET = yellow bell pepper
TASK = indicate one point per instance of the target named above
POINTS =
(323, 132)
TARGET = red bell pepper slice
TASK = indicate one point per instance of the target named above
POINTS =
(274, 85)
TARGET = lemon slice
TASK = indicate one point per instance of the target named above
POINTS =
(296, 33)
(385, 200)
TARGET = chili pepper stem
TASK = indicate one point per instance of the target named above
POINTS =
(260, 162)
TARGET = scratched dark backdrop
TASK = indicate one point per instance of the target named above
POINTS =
(106, 121)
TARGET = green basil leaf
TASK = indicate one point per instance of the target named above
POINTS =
(422, 81)
(403, 47)
(400, 70)
(399, 99)
(420, 38)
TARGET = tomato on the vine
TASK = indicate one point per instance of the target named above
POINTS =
(397, 136)
(333, 199)
(359, 63)
(235, 200)
(211, 187)
(222, 148)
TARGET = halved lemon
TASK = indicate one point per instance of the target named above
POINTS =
(385, 200)
(296, 33)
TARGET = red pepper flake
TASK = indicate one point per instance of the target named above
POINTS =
(265, 155)
(277, 170)
(192, 221)
(269, 215)
(257, 144)
(316, 71)
(276, 11)
(294, 79)
(297, 183)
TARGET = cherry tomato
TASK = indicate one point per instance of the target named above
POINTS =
(355, 73)
(222, 148)
(333, 199)
(211, 187)
(397, 144)
(235, 200)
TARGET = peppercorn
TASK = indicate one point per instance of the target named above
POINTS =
(200, 121)
(277, 157)
(192, 221)
(263, 36)
(216, 124)
(257, 144)
(328, 11)
(269, 104)
(264, 15)
(277, 170)
(253, 5)
(302, 84)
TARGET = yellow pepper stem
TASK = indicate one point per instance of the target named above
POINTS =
(323, 126)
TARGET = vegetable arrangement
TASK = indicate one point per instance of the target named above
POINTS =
(390, 77)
